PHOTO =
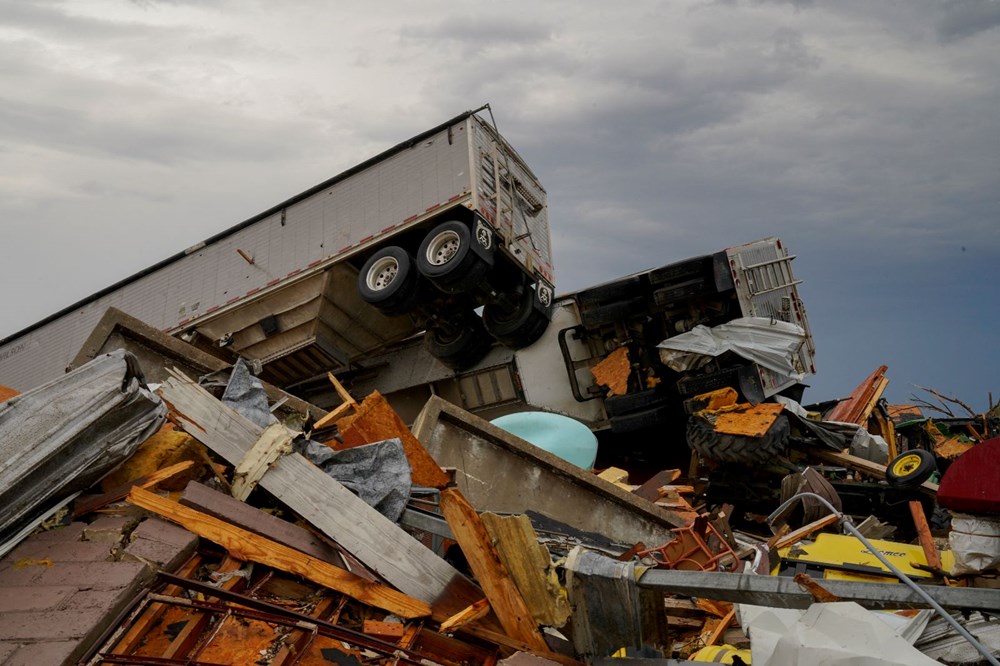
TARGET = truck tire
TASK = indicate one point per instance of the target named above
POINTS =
(460, 346)
(388, 281)
(910, 468)
(619, 405)
(447, 258)
(704, 440)
(516, 326)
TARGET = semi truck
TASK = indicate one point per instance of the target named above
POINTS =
(445, 233)
(634, 314)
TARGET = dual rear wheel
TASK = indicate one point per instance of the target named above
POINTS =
(455, 262)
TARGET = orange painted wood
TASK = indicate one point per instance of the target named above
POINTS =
(477, 546)
(249, 546)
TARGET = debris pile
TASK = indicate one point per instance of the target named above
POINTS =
(244, 530)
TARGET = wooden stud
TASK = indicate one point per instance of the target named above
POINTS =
(805, 531)
(121, 492)
(465, 616)
(924, 534)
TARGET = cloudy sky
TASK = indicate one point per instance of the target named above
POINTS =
(865, 134)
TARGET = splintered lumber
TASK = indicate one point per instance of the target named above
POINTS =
(650, 490)
(720, 627)
(503, 595)
(341, 409)
(375, 421)
(373, 539)
(274, 442)
(465, 616)
(820, 594)
(924, 535)
(804, 531)
(862, 400)
(530, 566)
(246, 545)
(121, 492)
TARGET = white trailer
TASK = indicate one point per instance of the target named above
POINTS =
(416, 238)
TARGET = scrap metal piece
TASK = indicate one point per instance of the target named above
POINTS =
(64, 436)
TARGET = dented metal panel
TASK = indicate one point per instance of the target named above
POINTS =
(766, 287)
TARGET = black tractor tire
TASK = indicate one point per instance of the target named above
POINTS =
(517, 326)
(459, 346)
(910, 468)
(389, 281)
(619, 405)
(447, 258)
(704, 440)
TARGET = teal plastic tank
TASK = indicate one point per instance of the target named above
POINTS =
(559, 435)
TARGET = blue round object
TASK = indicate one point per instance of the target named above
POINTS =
(559, 435)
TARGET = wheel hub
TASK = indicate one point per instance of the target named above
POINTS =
(382, 274)
(443, 248)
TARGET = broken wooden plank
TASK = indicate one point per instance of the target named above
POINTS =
(650, 490)
(348, 404)
(121, 492)
(924, 535)
(483, 559)
(377, 542)
(249, 546)
(465, 616)
(820, 594)
(804, 531)
(274, 442)
(857, 407)
(530, 565)
(720, 627)
(219, 505)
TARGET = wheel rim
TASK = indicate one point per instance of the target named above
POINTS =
(906, 465)
(443, 248)
(382, 273)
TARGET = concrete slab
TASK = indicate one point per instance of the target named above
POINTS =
(502, 473)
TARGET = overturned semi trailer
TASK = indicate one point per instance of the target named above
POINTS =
(446, 232)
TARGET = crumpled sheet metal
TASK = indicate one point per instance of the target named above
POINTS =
(772, 344)
(65, 435)
(378, 473)
(245, 394)
(610, 611)
(831, 633)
